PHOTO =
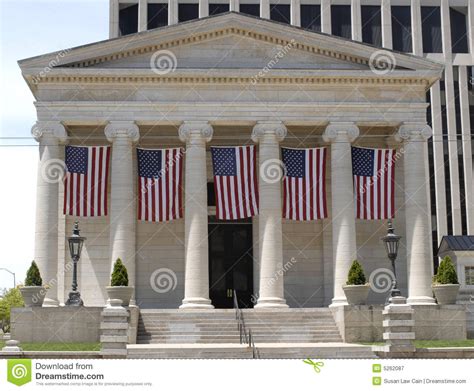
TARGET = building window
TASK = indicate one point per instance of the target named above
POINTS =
(128, 19)
(401, 28)
(215, 9)
(157, 15)
(311, 17)
(250, 9)
(458, 17)
(280, 13)
(341, 20)
(187, 12)
(431, 29)
(469, 273)
(371, 25)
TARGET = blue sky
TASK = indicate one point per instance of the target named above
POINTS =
(29, 28)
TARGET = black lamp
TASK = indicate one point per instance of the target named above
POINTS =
(392, 241)
(76, 242)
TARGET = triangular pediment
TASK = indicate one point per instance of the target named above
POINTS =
(225, 42)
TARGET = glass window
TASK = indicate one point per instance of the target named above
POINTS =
(215, 9)
(157, 15)
(469, 273)
(280, 13)
(401, 28)
(371, 25)
(341, 20)
(250, 9)
(187, 12)
(311, 17)
(458, 17)
(128, 19)
(431, 29)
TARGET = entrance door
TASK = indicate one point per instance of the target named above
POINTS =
(230, 263)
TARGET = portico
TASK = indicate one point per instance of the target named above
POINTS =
(221, 90)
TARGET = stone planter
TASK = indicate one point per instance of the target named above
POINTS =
(123, 293)
(33, 296)
(356, 294)
(446, 293)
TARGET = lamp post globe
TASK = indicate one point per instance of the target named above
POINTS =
(75, 241)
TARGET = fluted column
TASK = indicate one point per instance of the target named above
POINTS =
(196, 276)
(50, 173)
(417, 212)
(123, 213)
(344, 249)
(269, 135)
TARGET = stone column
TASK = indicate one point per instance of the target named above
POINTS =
(142, 15)
(196, 247)
(265, 9)
(203, 8)
(123, 211)
(50, 174)
(356, 19)
(269, 135)
(172, 12)
(295, 17)
(326, 16)
(386, 20)
(417, 212)
(344, 249)
(114, 19)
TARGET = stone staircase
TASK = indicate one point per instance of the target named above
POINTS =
(313, 325)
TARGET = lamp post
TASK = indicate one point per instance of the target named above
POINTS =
(392, 241)
(12, 273)
(75, 247)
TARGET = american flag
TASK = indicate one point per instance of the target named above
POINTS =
(235, 182)
(304, 184)
(85, 183)
(160, 184)
(374, 180)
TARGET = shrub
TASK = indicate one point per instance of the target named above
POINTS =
(446, 273)
(11, 299)
(119, 274)
(356, 274)
(33, 276)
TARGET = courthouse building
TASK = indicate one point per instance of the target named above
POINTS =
(297, 74)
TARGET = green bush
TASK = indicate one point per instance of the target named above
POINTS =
(119, 274)
(446, 273)
(33, 276)
(356, 274)
(10, 300)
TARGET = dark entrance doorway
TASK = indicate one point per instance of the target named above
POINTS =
(230, 263)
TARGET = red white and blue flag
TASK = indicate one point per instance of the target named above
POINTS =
(374, 183)
(235, 182)
(160, 184)
(85, 183)
(304, 184)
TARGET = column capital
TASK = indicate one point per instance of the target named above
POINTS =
(192, 129)
(115, 129)
(272, 128)
(341, 131)
(51, 128)
(410, 131)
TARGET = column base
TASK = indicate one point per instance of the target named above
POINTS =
(50, 302)
(196, 303)
(421, 300)
(271, 302)
(338, 301)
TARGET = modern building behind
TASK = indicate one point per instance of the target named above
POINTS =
(440, 30)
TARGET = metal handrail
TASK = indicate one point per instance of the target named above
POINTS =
(243, 335)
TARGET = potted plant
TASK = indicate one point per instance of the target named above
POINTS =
(356, 288)
(33, 291)
(119, 288)
(445, 282)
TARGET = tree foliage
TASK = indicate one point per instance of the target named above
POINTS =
(119, 274)
(33, 276)
(11, 299)
(356, 274)
(446, 272)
